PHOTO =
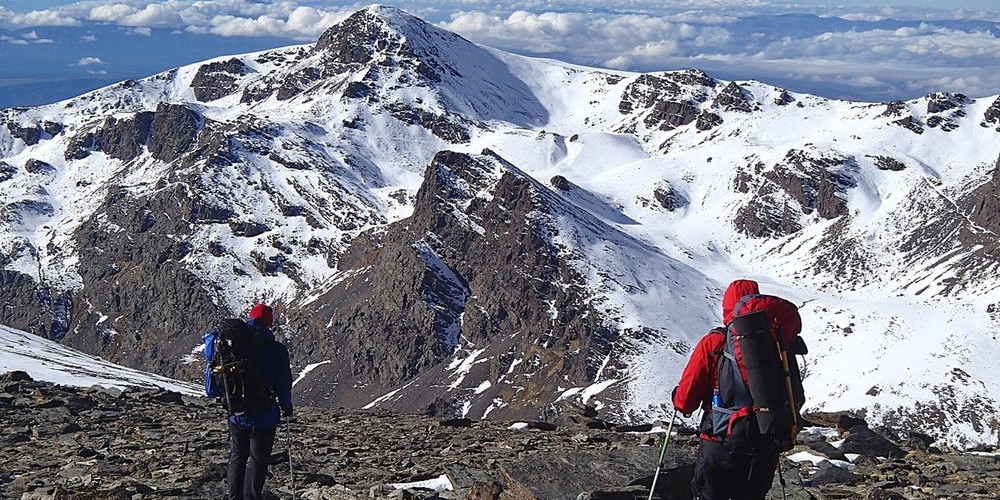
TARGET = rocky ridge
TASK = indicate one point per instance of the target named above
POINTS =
(66, 443)
(481, 235)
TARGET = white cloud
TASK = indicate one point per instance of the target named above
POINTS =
(630, 42)
(837, 50)
(39, 18)
(300, 23)
(154, 15)
(31, 36)
(308, 20)
(17, 42)
(89, 61)
(88, 38)
(110, 13)
(238, 26)
(141, 31)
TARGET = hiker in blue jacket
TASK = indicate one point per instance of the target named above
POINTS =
(252, 433)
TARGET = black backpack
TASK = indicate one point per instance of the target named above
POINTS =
(758, 393)
(235, 367)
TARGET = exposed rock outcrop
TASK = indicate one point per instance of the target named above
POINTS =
(218, 79)
(35, 166)
(910, 123)
(708, 120)
(887, 163)
(30, 134)
(123, 138)
(733, 98)
(136, 276)
(940, 102)
(992, 116)
(783, 98)
(894, 109)
(7, 171)
(669, 198)
(166, 133)
(672, 100)
(173, 131)
(442, 126)
(814, 183)
(983, 204)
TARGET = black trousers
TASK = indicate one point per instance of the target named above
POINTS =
(249, 451)
(719, 476)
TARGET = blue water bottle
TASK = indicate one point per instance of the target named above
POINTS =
(716, 399)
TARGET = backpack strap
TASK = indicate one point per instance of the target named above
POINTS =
(742, 302)
(721, 330)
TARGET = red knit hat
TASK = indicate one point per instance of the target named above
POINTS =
(263, 315)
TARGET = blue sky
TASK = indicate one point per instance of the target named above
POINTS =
(852, 49)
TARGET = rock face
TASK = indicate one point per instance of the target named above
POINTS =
(173, 131)
(29, 134)
(167, 133)
(945, 109)
(61, 442)
(985, 201)
(669, 198)
(992, 116)
(140, 277)
(668, 101)
(733, 98)
(801, 185)
(477, 257)
(218, 79)
(7, 171)
(123, 138)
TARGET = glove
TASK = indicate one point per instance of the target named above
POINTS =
(286, 412)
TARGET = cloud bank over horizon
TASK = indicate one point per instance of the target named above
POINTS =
(863, 53)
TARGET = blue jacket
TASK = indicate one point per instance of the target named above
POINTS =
(275, 370)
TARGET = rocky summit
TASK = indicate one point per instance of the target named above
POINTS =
(96, 443)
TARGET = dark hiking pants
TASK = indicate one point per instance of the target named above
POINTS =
(718, 476)
(249, 451)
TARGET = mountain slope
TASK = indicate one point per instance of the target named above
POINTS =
(450, 229)
(48, 361)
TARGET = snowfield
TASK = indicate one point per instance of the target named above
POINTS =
(49, 361)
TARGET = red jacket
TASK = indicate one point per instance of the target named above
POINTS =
(698, 380)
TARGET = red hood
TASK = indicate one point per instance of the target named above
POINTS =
(734, 293)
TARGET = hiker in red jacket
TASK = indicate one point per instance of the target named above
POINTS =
(720, 474)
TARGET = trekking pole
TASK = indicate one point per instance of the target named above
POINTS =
(288, 423)
(663, 452)
(291, 469)
(781, 479)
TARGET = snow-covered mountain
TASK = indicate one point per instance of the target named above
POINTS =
(451, 229)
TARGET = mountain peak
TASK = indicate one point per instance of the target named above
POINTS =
(389, 48)
(373, 30)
